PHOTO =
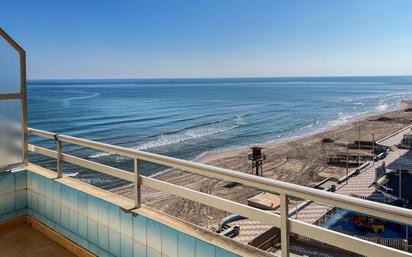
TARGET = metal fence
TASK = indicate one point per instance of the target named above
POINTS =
(285, 190)
(391, 242)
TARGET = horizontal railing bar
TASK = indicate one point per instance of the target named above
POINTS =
(41, 133)
(9, 96)
(128, 176)
(42, 151)
(359, 205)
(213, 201)
(119, 173)
(343, 241)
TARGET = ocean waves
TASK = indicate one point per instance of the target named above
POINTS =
(185, 118)
(187, 134)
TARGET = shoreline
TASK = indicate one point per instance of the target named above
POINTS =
(204, 157)
(301, 160)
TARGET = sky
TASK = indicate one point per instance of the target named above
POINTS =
(77, 39)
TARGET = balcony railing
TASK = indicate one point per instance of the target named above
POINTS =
(285, 190)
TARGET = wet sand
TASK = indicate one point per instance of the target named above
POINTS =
(300, 161)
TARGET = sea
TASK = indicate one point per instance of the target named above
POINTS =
(188, 118)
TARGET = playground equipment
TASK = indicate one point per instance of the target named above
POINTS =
(369, 224)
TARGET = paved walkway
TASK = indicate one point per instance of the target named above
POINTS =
(360, 185)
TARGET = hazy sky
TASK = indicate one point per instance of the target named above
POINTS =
(221, 38)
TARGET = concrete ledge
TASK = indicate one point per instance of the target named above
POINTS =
(41, 171)
(122, 202)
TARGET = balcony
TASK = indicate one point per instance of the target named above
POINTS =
(40, 206)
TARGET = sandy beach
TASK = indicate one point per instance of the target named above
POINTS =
(301, 161)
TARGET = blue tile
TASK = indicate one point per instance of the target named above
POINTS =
(204, 249)
(22, 212)
(7, 184)
(73, 199)
(83, 226)
(223, 253)
(65, 196)
(34, 183)
(94, 249)
(139, 249)
(139, 229)
(42, 205)
(169, 241)
(49, 209)
(49, 223)
(114, 242)
(56, 202)
(7, 203)
(8, 216)
(186, 245)
(92, 231)
(92, 207)
(103, 222)
(114, 217)
(75, 238)
(103, 253)
(83, 243)
(73, 214)
(41, 181)
(21, 199)
(56, 211)
(82, 203)
(36, 215)
(92, 226)
(57, 188)
(29, 184)
(48, 189)
(126, 246)
(67, 233)
(126, 224)
(154, 235)
(114, 229)
(35, 201)
(153, 253)
(64, 216)
(29, 204)
(103, 212)
(21, 179)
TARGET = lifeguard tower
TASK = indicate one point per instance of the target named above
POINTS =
(257, 159)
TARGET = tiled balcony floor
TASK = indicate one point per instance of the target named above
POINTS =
(24, 241)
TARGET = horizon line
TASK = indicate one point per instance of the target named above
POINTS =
(241, 77)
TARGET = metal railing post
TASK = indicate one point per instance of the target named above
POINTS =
(59, 166)
(137, 183)
(284, 225)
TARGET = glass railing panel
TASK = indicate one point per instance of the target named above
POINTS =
(11, 141)
(9, 68)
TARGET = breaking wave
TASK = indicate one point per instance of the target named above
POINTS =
(382, 107)
(163, 140)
